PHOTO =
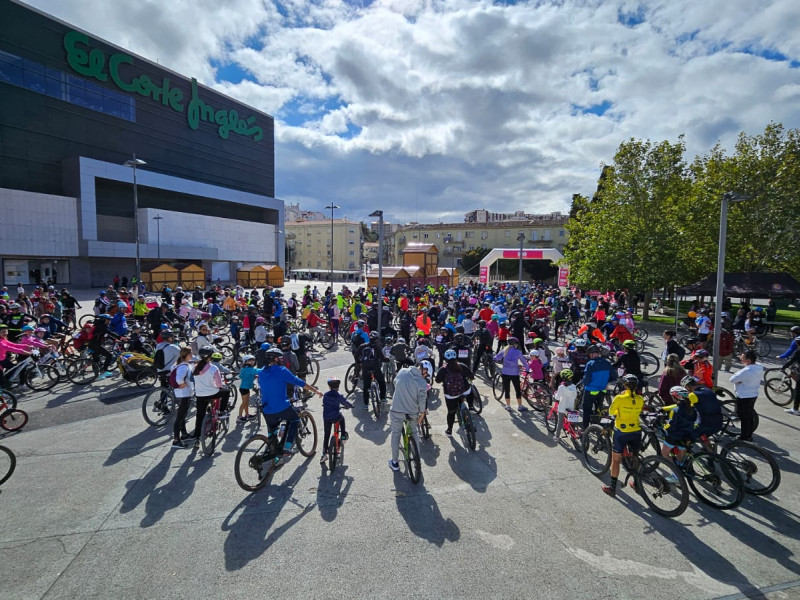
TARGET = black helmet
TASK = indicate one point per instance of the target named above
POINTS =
(592, 348)
(373, 336)
(631, 382)
(795, 330)
(206, 351)
(273, 354)
(285, 342)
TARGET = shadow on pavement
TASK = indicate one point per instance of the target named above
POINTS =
(174, 492)
(475, 468)
(248, 525)
(332, 491)
(146, 439)
(422, 515)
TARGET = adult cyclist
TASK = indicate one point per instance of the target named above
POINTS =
(272, 381)
(627, 407)
(455, 378)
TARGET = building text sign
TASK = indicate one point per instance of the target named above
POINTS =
(93, 62)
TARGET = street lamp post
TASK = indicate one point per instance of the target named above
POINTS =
(158, 219)
(133, 163)
(723, 234)
(520, 239)
(332, 207)
(448, 239)
(379, 214)
(278, 235)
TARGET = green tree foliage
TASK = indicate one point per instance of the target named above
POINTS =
(471, 260)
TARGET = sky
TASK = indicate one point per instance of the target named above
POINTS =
(430, 108)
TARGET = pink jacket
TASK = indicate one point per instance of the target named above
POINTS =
(31, 341)
(6, 347)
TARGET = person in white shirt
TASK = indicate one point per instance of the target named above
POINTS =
(207, 387)
(565, 396)
(747, 382)
(183, 395)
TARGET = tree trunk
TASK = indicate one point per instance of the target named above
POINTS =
(646, 308)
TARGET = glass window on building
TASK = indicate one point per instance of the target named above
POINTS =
(352, 252)
(469, 234)
(561, 233)
(547, 235)
(484, 235)
(425, 235)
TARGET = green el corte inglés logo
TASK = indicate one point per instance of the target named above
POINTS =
(91, 62)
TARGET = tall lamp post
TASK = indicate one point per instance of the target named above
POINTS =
(332, 207)
(723, 234)
(158, 219)
(520, 239)
(379, 214)
(448, 239)
(133, 163)
(278, 235)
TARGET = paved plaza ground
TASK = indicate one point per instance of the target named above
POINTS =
(101, 506)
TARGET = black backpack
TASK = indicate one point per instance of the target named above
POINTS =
(158, 359)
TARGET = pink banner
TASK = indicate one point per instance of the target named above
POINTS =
(563, 276)
(484, 275)
(533, 254)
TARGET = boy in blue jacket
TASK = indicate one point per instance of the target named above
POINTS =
(332, 402)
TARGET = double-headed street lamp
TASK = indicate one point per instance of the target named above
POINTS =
(521, 240)
(379, 214)
(723, 234)
(133, 163)
(332, 207)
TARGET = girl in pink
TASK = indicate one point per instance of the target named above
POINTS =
(7, 348)
(535, 370)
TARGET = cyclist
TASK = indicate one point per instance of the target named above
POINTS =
(596, 375)
(483, 344)
(703, 370)
(513, 360)
(99, 334)
(423, 350)
(247, 376)
(455, 378)
(208, 387)
(183, 394)
(332, 402)
(565, 395)
(631, 362)
(707, 405)
(272, 382)
(369, 357)
(627, 407)
(795, 333)
(681, 424)
(410, 394)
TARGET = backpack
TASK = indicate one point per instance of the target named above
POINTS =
(158, 359)
(454, 383)
(173, 378)
(368, 354)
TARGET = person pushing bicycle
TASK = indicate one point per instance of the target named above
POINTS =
(410, 393)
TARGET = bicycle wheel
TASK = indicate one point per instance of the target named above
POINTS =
(158, 407)
(551, 419)
(596, 449)
(146, 378)
(332, 452)
(715, 480)
(41, 377)
(538, 396)
(306, 434)
(208, 435)
(414, 466)
(650, 364)
(662, 485)
(730, 418)
(757, 467)
(220, 320)
(82, 371)
(778, 388)
(8, 462)
(477, 401)
(350, 379)
(425, 428)
(640, 334)
(469, 427)
(762, 347)
(13, 419)
(312, 371)
(8, 398)
(85, 319)
(253, 465)
(653, 401)
(375, 400)
(227, 353)
(328, 341)
(497, 387)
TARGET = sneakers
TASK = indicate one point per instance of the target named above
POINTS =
(106, 375)
(394, 466)
(792, 411)
(522, 408)
(609, 490)
(508, 408)
(178, 444)
(448, 431)
(671, 478)
(323, 458)
(555, 439)
(188, 436)
(241, 419)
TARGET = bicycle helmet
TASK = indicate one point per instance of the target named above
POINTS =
(427, 366)
(513, 340)
(168, 333)
(164, 326)
(701, 354)
(566, 374)
(334, 381)
(206, 351)
(285, 343)
(420, 333)
(629, 344)
(495, 317)
(692, 341)
(581, 343)
(274, 354)
(388, 340)
(216, 356)
(373, 336)
(593, 348)
(103, 316)
(260, 319)
(450, 354)
(679, 393)
(481, 323)
(247, 358)
(533, 353)
(40, 330)
(795, 330)
(689, 380)
(265, 346)
(631, 382)
(27, 328)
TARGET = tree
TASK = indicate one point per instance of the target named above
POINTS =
(472, 258)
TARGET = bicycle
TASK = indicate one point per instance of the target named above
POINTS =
(477, 399)
(374, 397)
(214, 425)
(757, 467)
(713, 479)
(655, 478)
(779, 386)
(335, 447)
(260, 456)
(466, 424)
(38, 377)
(740, 345)
(572, 424)
(8, 462)
(425, 427)
(650, 364)
(410, 451)
(538, 395)
(488, 365)
(389, 369)
(159, 406)
(11, 417)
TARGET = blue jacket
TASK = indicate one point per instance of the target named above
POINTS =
(272, 382)
(790, 351)
(331, 402)
(118, 325)
(596, 375)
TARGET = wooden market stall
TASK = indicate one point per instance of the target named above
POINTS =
(274, 276)
(163, 275)
(252, 275)
(192, 275)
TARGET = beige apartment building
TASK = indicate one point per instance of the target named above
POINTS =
(308, 245)
(454, 239)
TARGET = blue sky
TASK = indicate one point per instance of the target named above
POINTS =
(430, 108)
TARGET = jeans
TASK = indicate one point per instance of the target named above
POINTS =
(396, 420)
(289, 414)
(180, 419)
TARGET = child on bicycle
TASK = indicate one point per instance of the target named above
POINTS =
(565, 396)
(332, 402)
(681, 424)
(535, 367)
(247, 377)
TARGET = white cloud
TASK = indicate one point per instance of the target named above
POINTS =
(433, 107)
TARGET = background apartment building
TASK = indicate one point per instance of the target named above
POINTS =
(308, 246)
(454, 239)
